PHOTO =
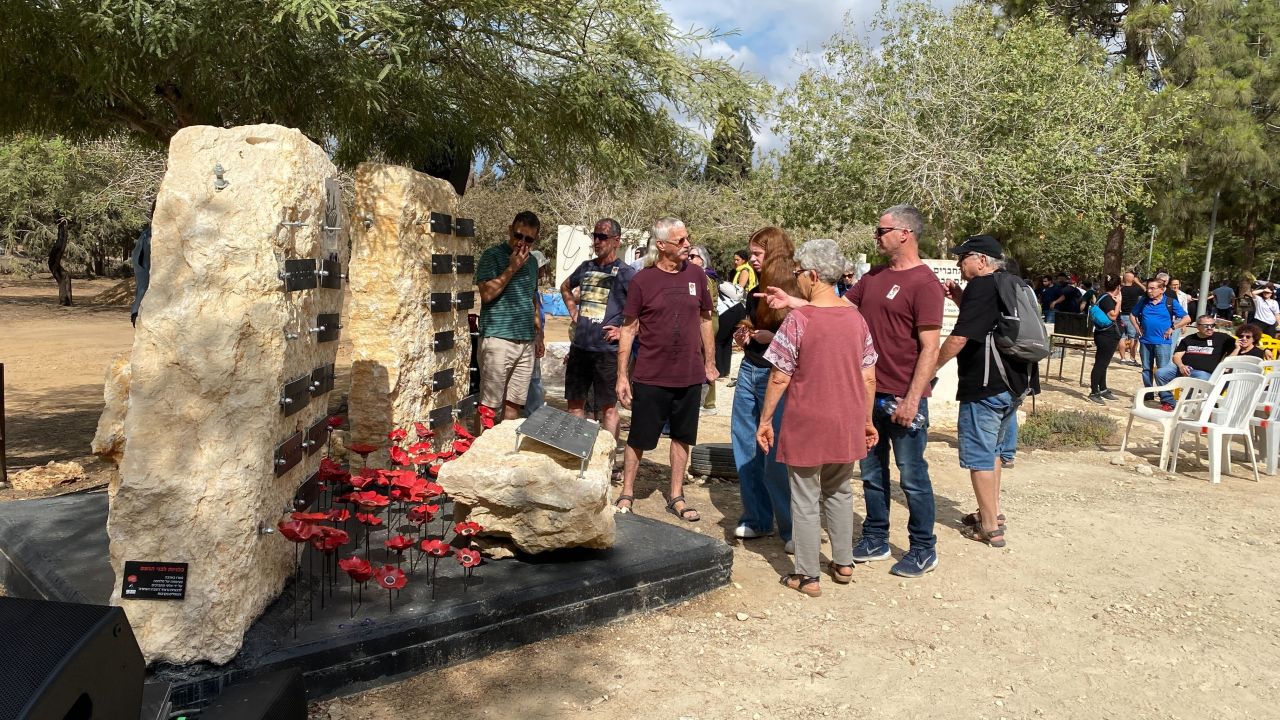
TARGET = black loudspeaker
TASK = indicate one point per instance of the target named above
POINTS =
(279, 695)
(65, 661)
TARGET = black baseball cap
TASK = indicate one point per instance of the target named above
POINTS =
(984, 244)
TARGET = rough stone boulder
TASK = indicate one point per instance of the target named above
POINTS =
(218, 340)
(45, 477)
(108, 441)
(393, 329)
(533, 497)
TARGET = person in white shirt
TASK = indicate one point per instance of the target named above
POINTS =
(1265, 309)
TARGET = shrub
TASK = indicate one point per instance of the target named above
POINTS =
(1065, 428)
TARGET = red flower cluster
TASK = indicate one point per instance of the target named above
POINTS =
(369, 499)
(328, 539)
(398, 456)
(297, 531)
(423, 431)
(339, 514)
(397, 435)
(357, 567)
(468, 528)
(486, 417)
(423, 513)
(368, 519)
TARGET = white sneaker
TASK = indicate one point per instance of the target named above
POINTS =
(746, 532)
(709, 411)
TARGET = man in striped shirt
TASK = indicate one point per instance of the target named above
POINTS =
(510, 333)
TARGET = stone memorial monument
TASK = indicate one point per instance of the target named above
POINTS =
(412, 270)
(232, 363)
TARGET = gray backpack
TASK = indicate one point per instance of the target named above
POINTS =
(1020, 333)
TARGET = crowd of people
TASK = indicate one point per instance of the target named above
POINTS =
(648, 336)
(1148, 324)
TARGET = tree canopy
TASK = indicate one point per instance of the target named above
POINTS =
(551, 84)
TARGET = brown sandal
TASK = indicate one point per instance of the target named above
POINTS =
(802, 583)
(683, 514)
(995, 538)
(842, 574)
(974, 520)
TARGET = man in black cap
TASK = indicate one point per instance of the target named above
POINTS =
(989, 397)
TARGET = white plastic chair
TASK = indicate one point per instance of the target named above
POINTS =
(1266, 419)
(1227, 415)
(1246, 363)
(1190, 398)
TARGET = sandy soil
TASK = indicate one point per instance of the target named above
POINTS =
(1120, 595)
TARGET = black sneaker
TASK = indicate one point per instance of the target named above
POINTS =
(1096, 398)
(1108, 395)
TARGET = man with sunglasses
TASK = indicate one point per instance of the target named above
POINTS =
(510, 333)
(1197, 355)
(595, 312)
(902, 304)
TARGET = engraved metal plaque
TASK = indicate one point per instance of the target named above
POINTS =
(464, 264)
(332, 205)
(317, 435)
(296, 395)
(288, 454)
(330, 274)
(560, 430)
(467, 406)
(322, 380)
(441, 302)
(442, 380)
(441, 416)
(466, 300)
(441, 264)
(441, 223)
(299, 274)
(464, 227)
(442, 341)
(327, 327)
(307, 492)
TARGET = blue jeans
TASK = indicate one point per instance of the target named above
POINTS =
(908, 453)
(1009, 440)
(984, 430)
(1165, 375)
(1163, 356)
(1049, 316)
(762, 480)
(537, 394)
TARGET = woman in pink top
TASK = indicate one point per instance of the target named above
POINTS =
(822, 351)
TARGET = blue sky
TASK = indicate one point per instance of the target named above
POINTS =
(775, 38)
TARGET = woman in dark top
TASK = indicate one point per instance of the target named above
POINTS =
(1105, 341)
(1247, 343)
(762, 480)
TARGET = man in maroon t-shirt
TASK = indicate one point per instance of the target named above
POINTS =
(669, 306)
(902, 304)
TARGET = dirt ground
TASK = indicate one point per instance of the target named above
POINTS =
(1120, 595)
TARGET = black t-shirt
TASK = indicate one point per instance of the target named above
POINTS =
(1106, 304)
(1204, 354)
(1129, 296)
(1070, 299)
(1256, 352)
(977, 373)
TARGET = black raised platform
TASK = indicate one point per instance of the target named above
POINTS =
(57, 549)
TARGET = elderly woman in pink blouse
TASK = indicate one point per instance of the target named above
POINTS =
(822, 351)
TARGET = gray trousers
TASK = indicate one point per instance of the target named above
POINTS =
(827, 485)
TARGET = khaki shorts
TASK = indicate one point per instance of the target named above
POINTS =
(506, 368)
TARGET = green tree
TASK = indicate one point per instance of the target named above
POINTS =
(729, 157)
(551, 84)
(983, 123)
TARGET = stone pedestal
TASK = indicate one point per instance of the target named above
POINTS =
(218, 339)
(533, 497)
(393, 328)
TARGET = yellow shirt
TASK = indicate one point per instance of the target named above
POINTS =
(751, 274)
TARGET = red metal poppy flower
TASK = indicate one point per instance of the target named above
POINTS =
(369, 519)
(369, 499)
(335, 422)
(467, 558)
(357, 567)
(397, 435)
(487, 416)
(363, 478)
(363, 449)
(423, 431)
(297, 531)
(446, 455)
(339, 514)
(331, 472)
(390, 577)
(435, 547)
(398, 456)
(461, 432)
(399, 543)
(423, 513)
(461, 446)
(468, 528)
(329, 539)
(419, 447)
(431, 490)
(422, 459)
(310, 516)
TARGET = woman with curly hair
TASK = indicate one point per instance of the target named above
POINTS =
(762, 480)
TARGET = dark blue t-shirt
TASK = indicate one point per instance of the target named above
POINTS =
(601, 298)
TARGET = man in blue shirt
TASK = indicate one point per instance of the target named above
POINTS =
(1159, 320)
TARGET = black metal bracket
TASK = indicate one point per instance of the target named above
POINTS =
(466, 407)
(441, 416)
(466, 300)
(441, 223)
(330, 274)
(464, 264)
(442, 341)
(317, 434)
(322, 380)
(327, 327)
(307, 492)
(299, 274)
(288, 454)
(464, 227)
(442, 380)
(441, 264)
(296, 395)
(441, 302)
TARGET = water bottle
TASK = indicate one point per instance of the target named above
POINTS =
(889, 405)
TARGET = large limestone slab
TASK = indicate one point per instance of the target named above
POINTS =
(392, 328)
(108, 441)
(533, 497)
(217, 340)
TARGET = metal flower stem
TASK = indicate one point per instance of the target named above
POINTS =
(311, 603)
(324, 561)
(351, 596)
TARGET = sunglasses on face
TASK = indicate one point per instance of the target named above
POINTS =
(521, 237)
(678, 243)
(881, 231)
(1206, 327)
(600, 236)
(848, 275)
